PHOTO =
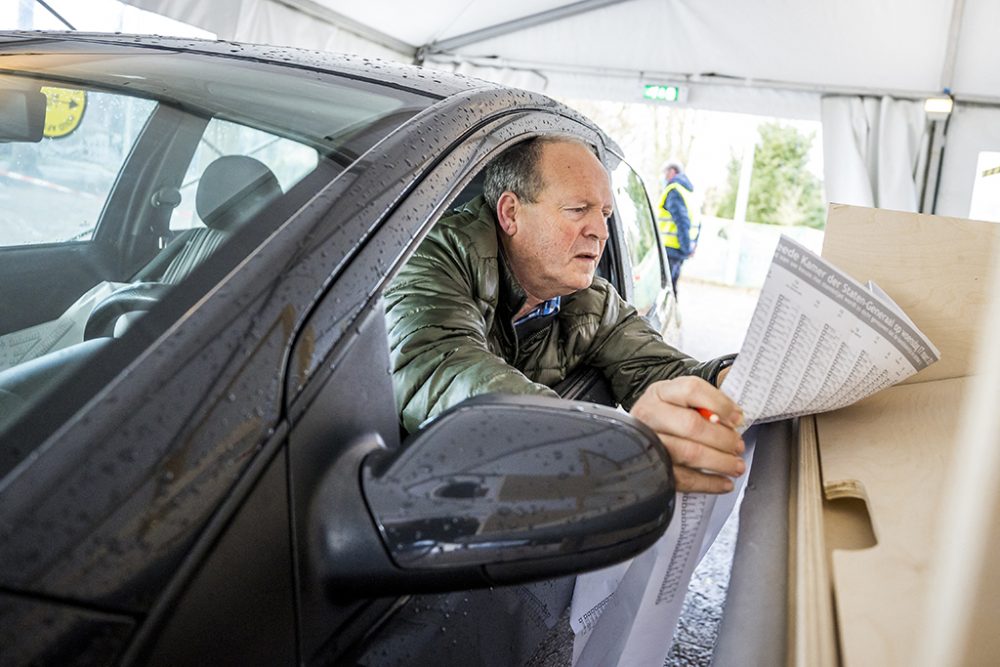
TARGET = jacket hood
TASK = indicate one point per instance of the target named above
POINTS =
(682, 180)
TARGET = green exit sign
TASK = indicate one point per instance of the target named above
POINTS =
(662, 93)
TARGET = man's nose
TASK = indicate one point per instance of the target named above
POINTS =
(597, 226)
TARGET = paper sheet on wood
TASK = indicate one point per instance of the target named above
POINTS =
(818, 340)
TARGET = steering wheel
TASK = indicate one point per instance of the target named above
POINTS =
(137, 297)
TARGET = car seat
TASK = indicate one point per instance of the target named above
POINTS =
(231, 191)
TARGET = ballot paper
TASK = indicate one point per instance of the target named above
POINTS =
(818, 340)
(625, 614)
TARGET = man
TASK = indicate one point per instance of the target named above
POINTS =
(678, 233)
(502, 297)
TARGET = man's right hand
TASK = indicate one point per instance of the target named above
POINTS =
(705, 455)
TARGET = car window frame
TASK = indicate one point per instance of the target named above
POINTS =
(663, 261)
(396, 234)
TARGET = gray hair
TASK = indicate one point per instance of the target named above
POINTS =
(516, 169)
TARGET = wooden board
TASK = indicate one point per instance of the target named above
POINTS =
(936, 268)
(963, 603)
(910, 520)
(811, 632)
(891, 451)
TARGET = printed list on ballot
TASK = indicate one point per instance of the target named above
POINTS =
(820, 340)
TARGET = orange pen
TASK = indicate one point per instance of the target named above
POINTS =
(708, 414)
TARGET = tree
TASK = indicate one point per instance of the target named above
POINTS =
(782, 190)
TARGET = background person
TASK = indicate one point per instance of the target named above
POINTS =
(502, 297)
(677, 230)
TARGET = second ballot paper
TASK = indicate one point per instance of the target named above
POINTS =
(820, 340)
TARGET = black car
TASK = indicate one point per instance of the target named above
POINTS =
(200, 456)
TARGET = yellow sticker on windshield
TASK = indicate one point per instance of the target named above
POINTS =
(63, 110)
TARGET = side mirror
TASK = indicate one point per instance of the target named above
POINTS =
(497, 490)
(22, 115)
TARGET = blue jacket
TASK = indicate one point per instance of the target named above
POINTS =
(675, 206)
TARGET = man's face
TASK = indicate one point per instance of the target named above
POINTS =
(558, 239)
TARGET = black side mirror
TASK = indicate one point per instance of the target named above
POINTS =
(22, 115)
(498, 490)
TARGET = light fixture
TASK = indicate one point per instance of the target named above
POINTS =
(938, 108)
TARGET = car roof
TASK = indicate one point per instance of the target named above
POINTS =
(426, 81)
(432, 81)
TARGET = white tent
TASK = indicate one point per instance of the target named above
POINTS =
(864, 67)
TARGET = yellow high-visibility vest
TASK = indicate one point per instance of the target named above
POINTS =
(668, 228)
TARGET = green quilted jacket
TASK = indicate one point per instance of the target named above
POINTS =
(449, 314)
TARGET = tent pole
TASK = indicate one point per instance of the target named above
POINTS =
(327, 15)
(951, 50)
(521, 23)
(939, 126)
(56, 14)
(932, 175)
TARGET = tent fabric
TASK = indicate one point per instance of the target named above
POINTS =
(971, 129)
(873, 150)
(770, 57)
(268, 22)
(873, 47)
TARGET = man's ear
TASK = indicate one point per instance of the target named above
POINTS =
(508, 208)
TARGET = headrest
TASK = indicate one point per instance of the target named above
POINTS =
(233, 189)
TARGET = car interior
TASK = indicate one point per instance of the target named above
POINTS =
(133, 254)
(231, 191)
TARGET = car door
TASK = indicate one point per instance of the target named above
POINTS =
(341, 399)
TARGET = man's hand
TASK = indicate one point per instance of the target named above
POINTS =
(705, 455)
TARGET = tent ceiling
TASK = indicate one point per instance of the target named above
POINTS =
(905, 48)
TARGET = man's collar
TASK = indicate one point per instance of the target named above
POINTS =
(544, 309)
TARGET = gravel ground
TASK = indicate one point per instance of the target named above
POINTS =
(698, 627)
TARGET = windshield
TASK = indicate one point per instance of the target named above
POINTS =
(124, 170)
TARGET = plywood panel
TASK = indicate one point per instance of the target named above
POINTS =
(936, 268)
(963, 605)
(890, 450)
(811, 629)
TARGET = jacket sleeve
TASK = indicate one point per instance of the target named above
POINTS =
(437, 332)
(632, 355)
(678, 210)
